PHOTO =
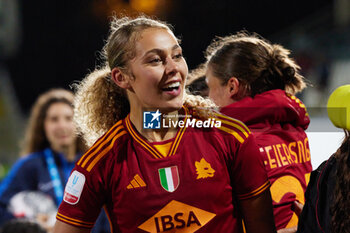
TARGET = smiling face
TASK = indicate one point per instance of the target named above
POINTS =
(157, 73)
(59, 127)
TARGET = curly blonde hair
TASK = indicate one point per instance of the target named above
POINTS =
(258, 64)
(99, 102)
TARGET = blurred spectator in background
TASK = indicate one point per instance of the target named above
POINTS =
(327, 205)
(51, 148)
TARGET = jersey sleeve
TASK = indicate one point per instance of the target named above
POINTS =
(87, 188)
(83, 198)
(248, 172)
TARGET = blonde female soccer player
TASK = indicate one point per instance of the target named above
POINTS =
(190, 176)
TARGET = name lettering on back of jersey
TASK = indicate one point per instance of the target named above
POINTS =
(204, 169)
(74, 188)
(177, 217)
(280, 155)
(136, 182)
(169, 178)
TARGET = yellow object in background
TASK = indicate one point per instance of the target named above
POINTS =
(338, 107)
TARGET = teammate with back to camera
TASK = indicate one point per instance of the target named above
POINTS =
(255, 81)
(158, 180)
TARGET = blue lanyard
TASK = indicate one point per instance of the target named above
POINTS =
(55, 176)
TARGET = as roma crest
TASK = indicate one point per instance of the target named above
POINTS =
(169, 178)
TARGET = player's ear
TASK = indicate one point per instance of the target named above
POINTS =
(120, 78)
(233, 86)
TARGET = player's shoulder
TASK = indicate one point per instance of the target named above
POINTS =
(231, 127)
(105, 147)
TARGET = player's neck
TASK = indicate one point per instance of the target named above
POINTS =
(159, 135)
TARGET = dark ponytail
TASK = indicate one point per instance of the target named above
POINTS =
(259, 65)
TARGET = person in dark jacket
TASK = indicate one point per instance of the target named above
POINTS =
(50, 150)
(327, 205)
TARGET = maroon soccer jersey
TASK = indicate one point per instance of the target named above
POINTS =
(278, 121)
(193, 189)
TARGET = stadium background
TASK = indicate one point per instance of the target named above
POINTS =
(45, 44)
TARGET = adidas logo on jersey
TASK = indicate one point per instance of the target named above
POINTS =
(136, 182)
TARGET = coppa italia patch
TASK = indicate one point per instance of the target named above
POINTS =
(74, 188)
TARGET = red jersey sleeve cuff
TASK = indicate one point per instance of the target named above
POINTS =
(256, 192)
(74, 222)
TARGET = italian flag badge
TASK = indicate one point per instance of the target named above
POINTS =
(169, 178)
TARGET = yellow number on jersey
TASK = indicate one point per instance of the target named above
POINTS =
(289, 184)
